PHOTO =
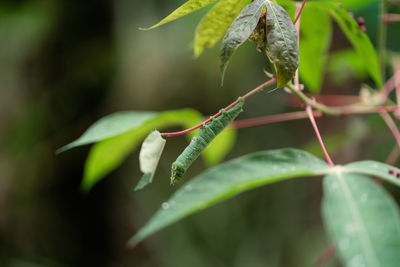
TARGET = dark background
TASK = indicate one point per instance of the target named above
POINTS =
(65, 64)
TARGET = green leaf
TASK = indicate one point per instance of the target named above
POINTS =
(374, 168)
(356, 4)
(290, 7)
(109, 152)
(362, 219)
(214, 25)
(149, 157)
(230, 179)
(107, 155)
(239, 31)
(110, 126)
(281, 47)
(345, 64)
(185, 9)
(315, 38)
(358, 39)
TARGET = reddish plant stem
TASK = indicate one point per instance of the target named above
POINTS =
(299, 13)
(393, 156)
(239, 124)
(326, 256)
(252, 92)
(396, 77)
(390, 85)
(351, 110)
(321, 143)
(297, 115)
(390, 18)
(392, 126)
(297, 25)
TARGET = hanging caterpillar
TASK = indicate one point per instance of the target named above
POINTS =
(205, 135)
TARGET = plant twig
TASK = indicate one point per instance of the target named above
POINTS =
(239, 124)
(321, 143)
(393, 156)
(298, 115)
(390, 18)
(326, 256)
(252, 92)
(297, 25)
(299, 13)
(382, 39)
(396, 77)
(392, 126)
(314, 104)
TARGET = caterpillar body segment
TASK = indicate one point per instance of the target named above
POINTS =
(204, 137)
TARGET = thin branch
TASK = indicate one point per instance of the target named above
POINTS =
(298, 115)
(390, 18)
(393, 156)
(326, 256)
(297, 25)
(392, 126)
(396, 77)
(314, 104)
(252, 92)
(382, 34)
(299, 13)
(321, 143)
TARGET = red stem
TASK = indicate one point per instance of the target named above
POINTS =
(393, 156)
(396, 77)
(252, 92)
(321, 143)
(392, 126)
(239, 124)
(391, 18)
(299, 13)
(326, 256)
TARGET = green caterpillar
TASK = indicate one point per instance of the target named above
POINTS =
(206, 134)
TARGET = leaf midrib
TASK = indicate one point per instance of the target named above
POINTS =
(280, 28)
(364, 238)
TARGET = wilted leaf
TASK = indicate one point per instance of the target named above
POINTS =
(315, 38)
(217, 21)
(281, 46)
(362, 219)
(185, 9)
(149, 157)
(230, 179)
(239, 31)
